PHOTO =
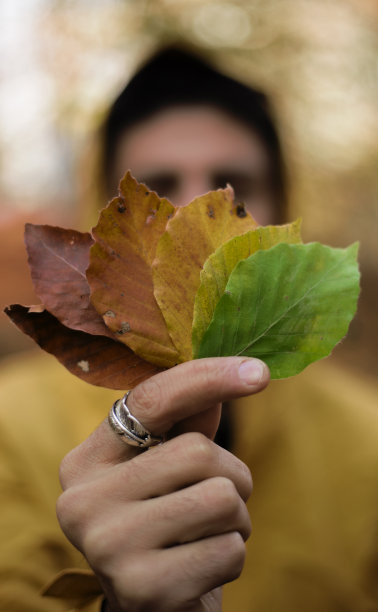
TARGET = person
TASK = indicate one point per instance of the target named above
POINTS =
(165, 529)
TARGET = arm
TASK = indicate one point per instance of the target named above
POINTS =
(164, 528)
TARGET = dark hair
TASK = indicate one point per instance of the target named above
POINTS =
(176, 76)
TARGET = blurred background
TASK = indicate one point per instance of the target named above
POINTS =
(64, 61)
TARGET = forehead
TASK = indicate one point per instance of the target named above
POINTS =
(185, 134)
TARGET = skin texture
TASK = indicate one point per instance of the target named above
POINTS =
(184, 152)
(164, 529)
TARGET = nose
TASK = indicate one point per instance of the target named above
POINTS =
(191, 185)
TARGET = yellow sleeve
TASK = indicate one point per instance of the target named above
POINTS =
(44, 412)
(31, 545)
(311, 443)
(93, 606)
(78, 588)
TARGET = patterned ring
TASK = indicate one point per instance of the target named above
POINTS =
(128, 427)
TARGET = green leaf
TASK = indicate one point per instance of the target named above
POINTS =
(219, 265)
(288, 306)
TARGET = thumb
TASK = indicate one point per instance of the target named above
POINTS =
(187, 397)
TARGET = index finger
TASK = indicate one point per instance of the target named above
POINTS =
(190, 392)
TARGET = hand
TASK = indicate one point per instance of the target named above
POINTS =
(164, 529)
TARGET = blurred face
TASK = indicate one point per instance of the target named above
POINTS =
(184, 152)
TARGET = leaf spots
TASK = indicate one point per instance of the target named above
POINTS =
(125, 327)
(240, 210)
(109, 313)
(83, 365)
(210, 212)
(121, 203)
(150, 217)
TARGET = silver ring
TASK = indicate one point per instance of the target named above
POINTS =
(128, 427)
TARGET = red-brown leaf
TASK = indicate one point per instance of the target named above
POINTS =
(95, 359)
(58, 259)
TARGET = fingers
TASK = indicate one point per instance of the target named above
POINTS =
(199, 494)
(166, 468)
(178, 577)
(177, 464)
(204, 565)
(208, 508)
(184, 398)
(167, 550)
(205, 509)
(160, 474)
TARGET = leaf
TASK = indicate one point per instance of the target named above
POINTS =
(288, 306)
(120, 273)
(95, 359)
(220, 264)
(58, 259)
(192, 234)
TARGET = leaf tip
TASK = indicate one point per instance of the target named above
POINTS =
(229, 191)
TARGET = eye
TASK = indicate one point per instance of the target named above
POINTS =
(245, 185)
(165, 184)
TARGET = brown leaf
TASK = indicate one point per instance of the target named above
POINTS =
(195, 232)
(120, 274)
(95, 359)
(58, 259)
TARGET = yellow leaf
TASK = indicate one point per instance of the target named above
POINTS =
(120, 274)
(220, 264)
(191, 236)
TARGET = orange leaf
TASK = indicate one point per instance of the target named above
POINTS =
(120, 275)
(195, 232)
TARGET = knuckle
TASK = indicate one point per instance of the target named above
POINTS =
(61, 510)
(224, 495)
(204, 375)
(236, 554)
(98, 546)
(206, 372)
(209, 372)
(70, 511)
(245, 474)
(67, 468)
(64, 506)
(106, 541)
(136, 584)
(146, 399)
(197, 448)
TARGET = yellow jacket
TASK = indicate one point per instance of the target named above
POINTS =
(310, 441)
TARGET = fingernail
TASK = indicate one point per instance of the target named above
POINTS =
(251, 371)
